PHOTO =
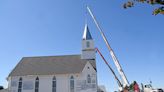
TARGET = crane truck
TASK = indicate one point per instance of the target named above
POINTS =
(125, 83)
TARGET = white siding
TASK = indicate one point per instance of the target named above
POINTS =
(88, 52)
(62, 81)
(10, 81)
(84, 44)
(28, 79)
(45, 83)
(82, 85)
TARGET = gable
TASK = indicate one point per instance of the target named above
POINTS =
(88, 68)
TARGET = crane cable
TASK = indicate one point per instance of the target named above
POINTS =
(118, 81)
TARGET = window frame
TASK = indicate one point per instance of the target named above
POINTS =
(37, 84)
(54, 84)
(72, 84)
(87, 44)
(89, 80)
(20, 84)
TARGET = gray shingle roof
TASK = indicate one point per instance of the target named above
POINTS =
(49, 65)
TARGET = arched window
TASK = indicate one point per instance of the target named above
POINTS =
(54, 84)
(88, 79)
(20, 85)
(72, 84)
(37, 84)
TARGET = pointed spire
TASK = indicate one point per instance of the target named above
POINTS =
(87, 34)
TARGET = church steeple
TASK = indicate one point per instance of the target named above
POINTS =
(87, 34)
(88, 51)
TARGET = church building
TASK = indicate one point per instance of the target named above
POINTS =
(67, 73)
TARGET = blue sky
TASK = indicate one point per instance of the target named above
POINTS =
(55, 27)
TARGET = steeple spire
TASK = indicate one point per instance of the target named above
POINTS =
(88, 51)
(87, 34)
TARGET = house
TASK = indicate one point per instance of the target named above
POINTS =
(67, 73)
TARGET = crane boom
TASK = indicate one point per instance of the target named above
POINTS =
(125, 81)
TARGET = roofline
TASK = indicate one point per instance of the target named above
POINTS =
(46, 74)
(52, 56)
(14, 68)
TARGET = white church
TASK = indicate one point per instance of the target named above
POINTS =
(67, 73)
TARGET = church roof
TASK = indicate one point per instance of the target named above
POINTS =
(87, 34)
(49, 65)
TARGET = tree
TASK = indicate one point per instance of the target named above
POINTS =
(159, 3)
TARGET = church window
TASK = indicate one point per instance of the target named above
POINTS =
(37, 84)
(88, 79)
(72, 84)
(88, 44)
(54, 84)
(20, 85)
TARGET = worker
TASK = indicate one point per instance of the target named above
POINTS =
(136, 87)
(126, 89)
